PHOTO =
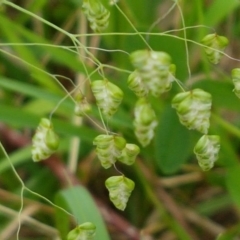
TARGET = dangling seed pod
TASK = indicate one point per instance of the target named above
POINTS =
(45, 142)
(120, 189)
(129, 154)
(155, 69)
(96, 14)
(109, 149)
(85, 231)
(206, 150)
(144, 122)
(108, 96)
(194, 109)
(236, 81)
(136, 84)
(82, 107)
(216, 44)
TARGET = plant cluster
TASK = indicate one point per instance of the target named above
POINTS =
(153, 75)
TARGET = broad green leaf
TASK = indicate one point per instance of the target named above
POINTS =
(79, 202)
(172, 143)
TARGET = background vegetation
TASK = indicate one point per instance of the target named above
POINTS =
(173, 198)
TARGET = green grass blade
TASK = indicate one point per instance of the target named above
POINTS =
(18, 157)
(218, 10)
(21, 118)
(79, 202)
(58, 54)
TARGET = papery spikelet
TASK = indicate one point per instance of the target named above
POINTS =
(144, 121)
(45, 142)
(136, 84)
(155, 70)
(216, 44)
(120, 189)
(236, 81)
(85, 231)
(109, 149)
(129, 154)
(206, 150)
(82, 107)
(96, 14)
(194, 109)
(108, 96)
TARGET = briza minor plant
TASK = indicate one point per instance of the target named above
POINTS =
(153, 75)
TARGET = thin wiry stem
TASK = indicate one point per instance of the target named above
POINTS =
(139, 34)
(185, 37)
(23, 187)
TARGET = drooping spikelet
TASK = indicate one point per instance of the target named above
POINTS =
(194, 109)
(216, 43)
(120, 188)
(236, 81)
(206, 150)
(109, 148)
(155, 70)
(45, 142)
(85, 231)
(137, 85)
(82, 107)
(108, 96)
(96, 14)
(144, 121)
(129, 154)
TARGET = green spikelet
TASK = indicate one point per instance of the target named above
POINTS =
(136, 84)
(236, 81)
(144, 121)
(82, 107)
(206, 150)
(194, 109)
(155, 69)
(109, 149)
(96, 14)
(45, 142)
(216, 42)
(129, 154)
(120, 189)
(108, 96)
(85, 231)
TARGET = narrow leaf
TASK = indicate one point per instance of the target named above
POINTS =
(79, 202)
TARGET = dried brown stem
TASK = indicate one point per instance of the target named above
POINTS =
(176, 211)
(11, 228)
(169, 202)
